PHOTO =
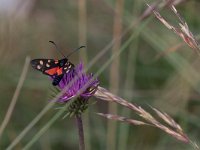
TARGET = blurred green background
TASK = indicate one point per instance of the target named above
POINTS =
(169, 83)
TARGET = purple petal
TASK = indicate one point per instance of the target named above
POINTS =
(81, 79)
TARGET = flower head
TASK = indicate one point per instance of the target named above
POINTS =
(79, 83)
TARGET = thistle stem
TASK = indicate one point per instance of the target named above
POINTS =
(80, 132)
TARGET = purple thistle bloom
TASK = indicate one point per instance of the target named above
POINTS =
(77, 80)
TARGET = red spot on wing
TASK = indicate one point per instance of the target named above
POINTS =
(59, 71)
(52, 71)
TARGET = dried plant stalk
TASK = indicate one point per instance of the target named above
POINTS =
(170, 127)
(182, 31)
(122, 119)
(114, 71)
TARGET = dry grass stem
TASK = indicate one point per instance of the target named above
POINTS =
(115, 70)
(159, 5)
(123, 119)
(183, 30)
(171, 128)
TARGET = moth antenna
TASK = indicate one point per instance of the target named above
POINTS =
(57, 48)
(69, 53)
(75, 50)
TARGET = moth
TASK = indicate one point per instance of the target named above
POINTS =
(53, 67)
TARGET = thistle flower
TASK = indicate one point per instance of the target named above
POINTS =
(79, 84)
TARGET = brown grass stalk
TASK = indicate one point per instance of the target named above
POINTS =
(182, 31)
(114, 72)
(169, 126)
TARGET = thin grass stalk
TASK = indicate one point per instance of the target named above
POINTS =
(15, 96)
(80, 132)
(42, 130)
(4, 40)
(30, 126)
(82, 28)
(83, 56)
(115, 72)
(129, 84)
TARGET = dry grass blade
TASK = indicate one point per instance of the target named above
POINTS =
(175, 130)
(159, 4)
(183, 31)
(189, 38)
(149, 10)
(15, 96)
(123, 119)
(179, 136)
(168, 119)
(104, 94)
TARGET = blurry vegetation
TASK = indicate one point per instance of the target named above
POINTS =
(165, 83)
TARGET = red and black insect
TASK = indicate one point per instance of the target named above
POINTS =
(54, 68)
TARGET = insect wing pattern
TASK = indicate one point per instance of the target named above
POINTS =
(46, 66)
(54, 68)
(67, 67)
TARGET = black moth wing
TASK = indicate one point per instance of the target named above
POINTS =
(44, 64)
(51, 66)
